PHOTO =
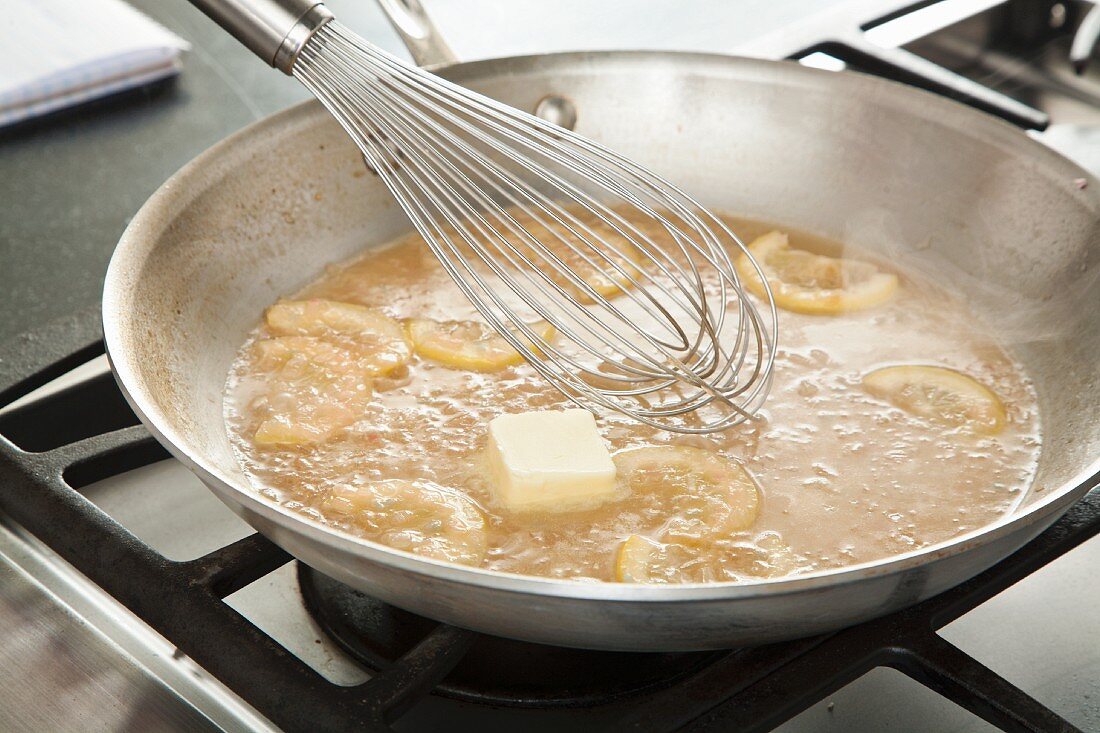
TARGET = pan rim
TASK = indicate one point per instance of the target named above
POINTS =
(126, 260)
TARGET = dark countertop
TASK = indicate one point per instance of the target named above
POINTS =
(72, 181)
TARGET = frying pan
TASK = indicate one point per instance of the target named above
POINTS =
(918, 179)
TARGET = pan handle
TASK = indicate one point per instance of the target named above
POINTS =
(418, 32)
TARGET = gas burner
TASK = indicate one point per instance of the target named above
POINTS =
(377, 634)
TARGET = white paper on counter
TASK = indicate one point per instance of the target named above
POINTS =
(59, 53)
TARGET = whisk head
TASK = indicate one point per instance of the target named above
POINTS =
(535, 223)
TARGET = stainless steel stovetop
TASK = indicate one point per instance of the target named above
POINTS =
(75, 659)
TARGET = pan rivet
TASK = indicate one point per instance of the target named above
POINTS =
(1057, 15)
(557, 110)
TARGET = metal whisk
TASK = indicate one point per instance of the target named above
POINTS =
(537, 224)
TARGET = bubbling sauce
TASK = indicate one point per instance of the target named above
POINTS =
(844, 476)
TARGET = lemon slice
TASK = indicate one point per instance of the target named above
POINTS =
(302, 427)
(415, 516)
(707, 496)
(644, 560)
(809, 283)
(939, 394)
(470, 345)
(295, 358)
(313, 388)
(381, 338)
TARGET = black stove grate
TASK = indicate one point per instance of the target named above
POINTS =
(376, 634)
(752, 689)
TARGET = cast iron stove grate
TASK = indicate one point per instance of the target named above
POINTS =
(752, 689)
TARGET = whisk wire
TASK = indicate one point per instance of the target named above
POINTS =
(530, 239)
(530, 220)
(484, 227)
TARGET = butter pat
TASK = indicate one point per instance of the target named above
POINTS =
(549, 461)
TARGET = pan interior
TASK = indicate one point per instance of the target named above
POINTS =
(940, 190)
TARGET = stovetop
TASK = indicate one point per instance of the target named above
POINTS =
(77, 658)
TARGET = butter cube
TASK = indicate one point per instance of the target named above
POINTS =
(549, 461)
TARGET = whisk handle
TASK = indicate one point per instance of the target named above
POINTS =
(274, 30)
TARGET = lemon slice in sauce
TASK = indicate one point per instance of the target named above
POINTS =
(805, 282)
(939, 394)
(645, 560)
(380, 339)
(708, 496)
(313, 389)
(470, 345)
(416, 516)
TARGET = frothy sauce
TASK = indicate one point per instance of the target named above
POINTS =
(845, 477)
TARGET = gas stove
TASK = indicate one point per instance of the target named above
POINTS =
(133, 599)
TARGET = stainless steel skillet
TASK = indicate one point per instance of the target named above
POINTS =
(917, 178)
